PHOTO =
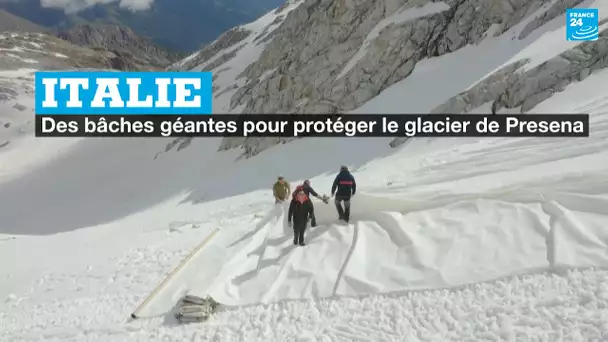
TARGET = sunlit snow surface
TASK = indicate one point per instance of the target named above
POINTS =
(450, 239)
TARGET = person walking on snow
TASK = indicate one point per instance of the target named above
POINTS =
(281, 190)
(344, 188)
(308, 190)
(300, 211)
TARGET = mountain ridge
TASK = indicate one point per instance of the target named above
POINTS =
(325, 56)
(122, 41)
(184, 27)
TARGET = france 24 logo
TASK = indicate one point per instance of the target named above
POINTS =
(582, 24)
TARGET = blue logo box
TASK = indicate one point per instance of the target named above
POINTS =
(582, 24)
(123, 93)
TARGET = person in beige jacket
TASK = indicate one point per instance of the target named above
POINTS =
(281, 190)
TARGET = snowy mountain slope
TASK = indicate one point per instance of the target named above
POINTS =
(18, 150)
(475, 211)
(496, 60)
(21, 54)
(136, 52)
(332, 56)
(442, 229)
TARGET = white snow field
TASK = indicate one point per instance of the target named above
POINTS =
(17, 128)
(450, 239)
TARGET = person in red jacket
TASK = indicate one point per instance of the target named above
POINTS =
(300, 211)
(308, 190)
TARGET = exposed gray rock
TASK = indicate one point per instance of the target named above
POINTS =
(234, 86)
(132, 52)
(264, 36)
(225, 41)
(316, 42)
(533, 86)
(181, 143)
(331, 56)
(19, 107)
(6, 92)
(254, 145)
(555, 74)
(228, 144)
(535, 99)
(223, 58)
(512, 87)
(38, 51)
(557, 9)
(485, 91)
(46, 52)
(584, 74)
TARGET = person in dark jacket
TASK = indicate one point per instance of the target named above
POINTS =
(308, 190)
(344, 188)
(300, 211)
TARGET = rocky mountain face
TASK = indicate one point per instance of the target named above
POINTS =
(179, 25)
(41, 51)
(516, 88)
(133, 52)
(324, 41)
(23, 53)
(332, 56)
